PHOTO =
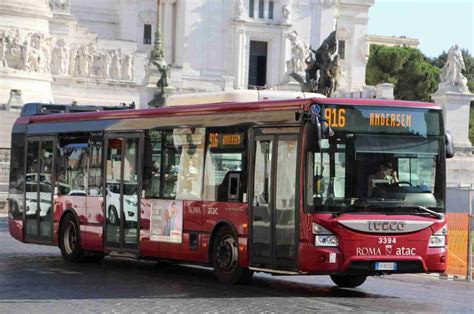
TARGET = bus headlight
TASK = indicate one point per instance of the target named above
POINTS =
(326, 240)
(323, 237)
(438, 239)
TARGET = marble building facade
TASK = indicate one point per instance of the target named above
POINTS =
(96, 51)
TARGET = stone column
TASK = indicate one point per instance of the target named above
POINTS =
(240, 60)
(168, 30)
(456, 106)
(455, 99)
(179, 43)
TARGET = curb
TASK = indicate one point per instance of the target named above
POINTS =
(453, 277)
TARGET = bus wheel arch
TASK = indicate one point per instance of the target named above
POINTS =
(224, 255)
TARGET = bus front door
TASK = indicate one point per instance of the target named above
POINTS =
(39, 189)
(273, 232)
(122, 183)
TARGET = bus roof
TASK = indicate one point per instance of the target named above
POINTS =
(273, 105)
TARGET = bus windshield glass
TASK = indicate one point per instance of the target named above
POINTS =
(380, 159)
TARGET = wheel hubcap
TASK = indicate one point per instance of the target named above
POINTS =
(70, 238)
(227, 254)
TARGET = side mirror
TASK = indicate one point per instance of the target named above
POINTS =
(449, 144)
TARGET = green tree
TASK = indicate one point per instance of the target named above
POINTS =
(440, 61)
(407, 68)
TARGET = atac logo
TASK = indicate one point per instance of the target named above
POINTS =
(212, 211)
(389, 250)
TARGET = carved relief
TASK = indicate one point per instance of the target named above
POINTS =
(37, 52)
(127, 68)
(59, 5)
(328, 3)
(286, 13)
(239, 10)
(60, 58)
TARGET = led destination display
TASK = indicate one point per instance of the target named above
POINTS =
(371, 119)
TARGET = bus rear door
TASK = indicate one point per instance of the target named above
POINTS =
(273, 200)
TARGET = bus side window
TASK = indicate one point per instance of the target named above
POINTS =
(191, 160)
(171, 163)
(72, 162)
(152, 163)
(225, 168)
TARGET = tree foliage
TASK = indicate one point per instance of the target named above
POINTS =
(407, 68)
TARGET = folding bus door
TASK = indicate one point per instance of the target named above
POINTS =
(122, 184)
(273, 218)
(39, 183)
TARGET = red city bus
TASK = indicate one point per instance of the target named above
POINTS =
(343, 187)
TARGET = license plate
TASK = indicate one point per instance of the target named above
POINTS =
(385, 266)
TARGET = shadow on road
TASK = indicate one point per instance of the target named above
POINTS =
(46, 276)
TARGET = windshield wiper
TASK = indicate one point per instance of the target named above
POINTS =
(356, 208)
(353, 209)
(427, 210)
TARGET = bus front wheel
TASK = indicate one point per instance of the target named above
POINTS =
(348, 281)
(225, 258)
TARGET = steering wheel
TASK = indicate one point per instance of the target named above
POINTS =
(402, 182)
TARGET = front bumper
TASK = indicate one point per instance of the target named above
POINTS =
(315, 260)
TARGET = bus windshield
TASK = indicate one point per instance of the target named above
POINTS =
(371, 171)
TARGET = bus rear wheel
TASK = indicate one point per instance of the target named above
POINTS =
(348, 281)
(225, 258)
(69, 240)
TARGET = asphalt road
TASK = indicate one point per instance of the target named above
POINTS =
(35, 279)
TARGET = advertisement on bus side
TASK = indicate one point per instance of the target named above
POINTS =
(166, 221)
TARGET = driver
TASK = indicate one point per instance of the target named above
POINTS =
(384, 171)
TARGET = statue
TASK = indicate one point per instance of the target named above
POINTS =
(96, 64)
(3, 49)
(59, 5)
(115, 64)
(322, 68)
(451, 75)
(298, 52)
(45, 54)
(32, 52)
(60, 59)
(84, 60)
(15, 52)
(127, 68)
(157, 58)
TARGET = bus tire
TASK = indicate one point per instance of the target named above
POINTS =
(225, 258)
(348, 281)
(70, 240)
